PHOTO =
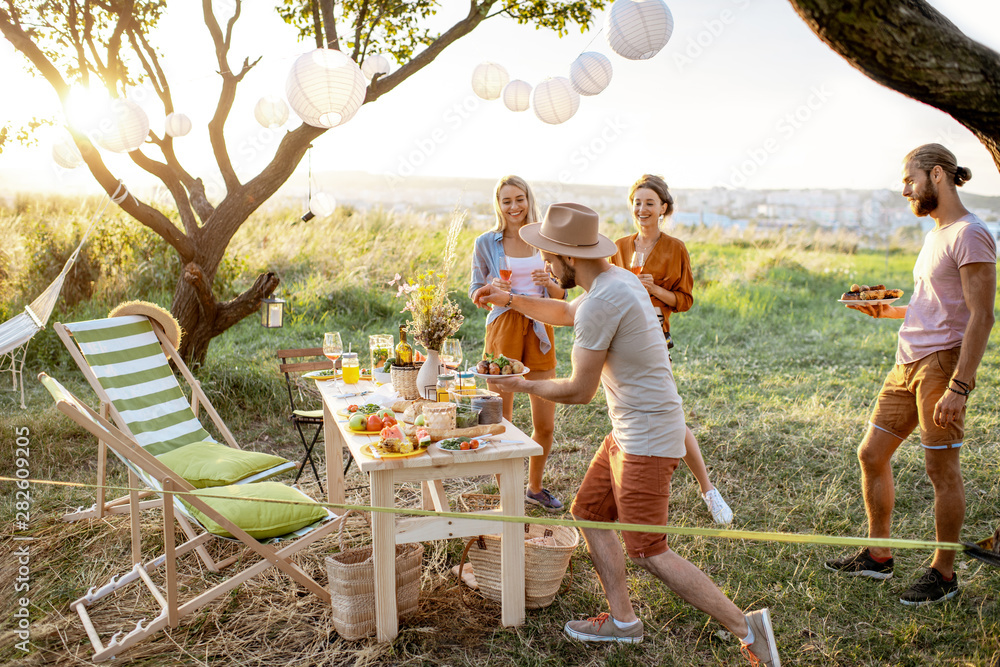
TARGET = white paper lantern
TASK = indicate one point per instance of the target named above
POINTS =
(177, 125)
(554, 100)
(590, 73)
(517, 95)
(376, 64)
(325, 88)
(271, 111)
(320, 206)
(638, 29)
(124, 128)
(65, 153)
(489, 79)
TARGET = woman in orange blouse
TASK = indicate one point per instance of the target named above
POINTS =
(663, 266)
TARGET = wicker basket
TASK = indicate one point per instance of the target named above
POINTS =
(404, 381)
(351, 575)
(544, 566)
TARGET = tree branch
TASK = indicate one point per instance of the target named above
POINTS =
(194, 276)
(329, 24)
(216, 126)
(234, 310)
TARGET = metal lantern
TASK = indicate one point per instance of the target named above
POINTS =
(325, 88)
(65, 153)
(373, 65)
(320, 206)
(590, 73)
(517, 95)
(638, 29)
(554, 100)
(177, 125)
(272, 312)
(124, 128)
(271, 111)
(489, 79)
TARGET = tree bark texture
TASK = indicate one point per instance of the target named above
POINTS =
(912, 48)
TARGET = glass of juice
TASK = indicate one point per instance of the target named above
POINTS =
(349, 364)
(332, 347)
(505, 270)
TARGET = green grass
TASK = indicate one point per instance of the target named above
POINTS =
(778, 381)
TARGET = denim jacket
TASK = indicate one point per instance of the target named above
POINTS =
(486, 264)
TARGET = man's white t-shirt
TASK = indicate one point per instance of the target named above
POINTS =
(645, 409)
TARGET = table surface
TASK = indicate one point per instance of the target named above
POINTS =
(516, 444)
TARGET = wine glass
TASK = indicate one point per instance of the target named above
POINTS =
(332, 347)
(451, 353)
(638, 259)
(505, 270)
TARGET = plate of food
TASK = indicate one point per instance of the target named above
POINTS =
(392, 444)
(865, 295)
(371, 424)
(462, 445)
(329, 374)
(370, 452)
(366, 409)
(497, 364)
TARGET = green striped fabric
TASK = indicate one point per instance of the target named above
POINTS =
(125, 355)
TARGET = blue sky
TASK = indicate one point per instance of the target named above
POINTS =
(743, 95)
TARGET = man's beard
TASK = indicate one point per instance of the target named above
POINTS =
(926, 200)
(568, 279)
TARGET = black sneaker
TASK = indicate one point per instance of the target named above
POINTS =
(861, 564)
(930, 588)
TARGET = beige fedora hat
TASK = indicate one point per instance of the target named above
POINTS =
(161, 316)
(570, 230)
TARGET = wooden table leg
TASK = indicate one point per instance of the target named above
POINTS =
(333, 443)
(384, 556)
(433, 496)
(512, 543)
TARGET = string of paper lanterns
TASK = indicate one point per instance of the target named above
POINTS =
(638, 29)
(517, 95)
(554, 100)
(489, 80)
(590, 73)
(325, 88)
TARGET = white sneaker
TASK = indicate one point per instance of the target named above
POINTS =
(718, 507)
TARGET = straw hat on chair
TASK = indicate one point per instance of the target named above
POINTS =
(157, 314)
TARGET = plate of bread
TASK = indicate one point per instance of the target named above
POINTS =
(870, 295)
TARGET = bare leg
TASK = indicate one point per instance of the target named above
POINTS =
(944, 469)
(695, 588)
(543, 417)
(608, 558)
(694, 461)
(875, 454)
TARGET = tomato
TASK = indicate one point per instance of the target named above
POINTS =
(374, 423)
(473, 444)
(352, 408)
(464, 446)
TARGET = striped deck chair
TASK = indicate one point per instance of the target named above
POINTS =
(126, 360)
(225, 511)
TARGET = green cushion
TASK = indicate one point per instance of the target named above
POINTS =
(206, 464)
(260, 520)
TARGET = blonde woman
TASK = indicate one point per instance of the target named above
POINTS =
(663, 266)
(503, 259)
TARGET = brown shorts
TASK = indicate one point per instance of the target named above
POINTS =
(629, 489)
(909, 395)
(512, 335)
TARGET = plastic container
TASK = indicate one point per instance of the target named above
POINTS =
(445, 382)
(349, 364)
(466, 417)
(439, 416)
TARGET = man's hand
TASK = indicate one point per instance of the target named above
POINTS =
(510, 383)
(490, 295)
(878, 311)
(948, 408)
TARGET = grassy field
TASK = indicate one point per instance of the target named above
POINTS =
(777, 379)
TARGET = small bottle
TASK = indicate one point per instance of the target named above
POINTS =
(466, 383)
(444, 385)
(404, 353)
(352, 371)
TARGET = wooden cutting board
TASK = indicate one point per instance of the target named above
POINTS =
(471, 432)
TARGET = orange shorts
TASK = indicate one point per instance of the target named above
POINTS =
(511, 334)
(630, 489)
(909, 395)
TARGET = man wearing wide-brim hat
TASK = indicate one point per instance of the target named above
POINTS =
(619, 342)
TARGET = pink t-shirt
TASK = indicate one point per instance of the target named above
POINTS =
(937, 315)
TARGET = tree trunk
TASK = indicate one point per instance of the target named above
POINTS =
(910, 47)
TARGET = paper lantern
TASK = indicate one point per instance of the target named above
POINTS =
(325, 88)
(65, 153)
(554, 100)
(373, 65)
(488, 80)
(320, 206)
(517, 95)
(124, 128)
(177, 125)
(590, 73)
(638, 29)
(271, 111)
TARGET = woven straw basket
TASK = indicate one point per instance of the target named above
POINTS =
(351, 575)
(544, 566)
(404, 381)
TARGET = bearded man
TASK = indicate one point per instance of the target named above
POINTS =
(942, 340)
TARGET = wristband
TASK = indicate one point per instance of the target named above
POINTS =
(960, 393)
(507, 305)
(966, 388)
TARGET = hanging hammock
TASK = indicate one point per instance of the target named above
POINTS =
(16, 332)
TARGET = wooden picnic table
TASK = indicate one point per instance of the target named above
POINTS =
(505, 460)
